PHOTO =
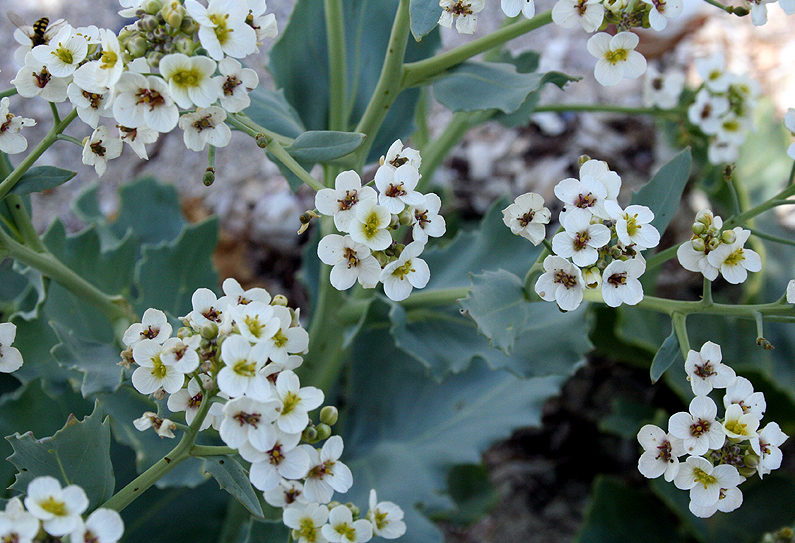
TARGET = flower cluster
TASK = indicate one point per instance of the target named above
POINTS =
(367, 253)
(722, 452)
(711, 251)
(599, 243)
(174, 58)
(10, 357)
(723, 108)
(59, 512)
(236, 354)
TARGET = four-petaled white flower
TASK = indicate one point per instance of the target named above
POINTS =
(617, 58)
(58, 508)
(580, 239)
(426, 220)
(10, 357)
(369, 225)
(341, 201)
(235, 82)
(662, 10)
(275, 461)
(588, 13)
(739, 425)
(205, 125)
(512, 8)
(241, 373)
(661, 453)
(662, 90)
(101, 526)
(698, 429)
(154, 325)
(712, 71)
(396, 186)
(189, 400)
(100, 148)
(296, 402)
(705, 370)
(707, 111)
(343, 529)
(154, 373)
(11, 141)
(223, 29)
(741, 392)
(16, 524)
(63, 54)
(406, 273)
(463, 11)
(190, 81)
(137, 138)
(326, 472)
(306, 522)
(562, 283)
(705, 481)
(386, 518)
(527, 217)
(144, 101)
(351, 261)
(586, 197)
(766, 446)
(264, 25)
(620, 282)
(733, 260)
(245, 417)
(34, 79)
(633, 225)
(163, 427)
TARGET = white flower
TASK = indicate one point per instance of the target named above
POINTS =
(235, 82)
(426, 219)
(397, 155)
(343, 529)
(34, 79)
(16, 524)
(562, 283)
(713, 71)
(662, 10)
(238, 296)
(732, 129)
(289, 494)
(734, 261)
(100, 148)
(244, 417)
(588, 13)
(741, 392)
(206, 308)
(369, 225)
(264, 25)
(464, 11)
(90, 105)
(512, 8)
(580, 240)
(137, 138)
(286, 339)
(189, 80)
(306, 522)
(110, 65)
(181, 353)
(283, 459)
(341, 201)
(10, 358)
(661, 453)
(633, 225)
(698, 429)
(585, 197)
(722, 152)
(351, 261)
(766, 446)
(617, 57)
(599, 170)
(101, 526)
(241, 374)
(729, 499)
(705, 371)
(705, 481)
(189, 399)
(707, 111)
(205, 125)
(396, 186)
(662, 90)
(58, 508)
(758, 10)
(154, 325)
(154, 372)
(255, 321)
(296, 402)
(620, 282)
(739, 425)
(163, 427)
(326, 472)
(144, 101)
(223, 29)
(407, 272)
(386, 518)
(11, 141)
(789, 123)
(63, 54)
(526, 217)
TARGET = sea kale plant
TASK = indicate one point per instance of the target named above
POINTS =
(133, 378)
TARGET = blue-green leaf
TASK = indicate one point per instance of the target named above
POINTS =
(98, 362)
(79, 453)
(423, 16)
(271, 110)
(40, 178)
(324, 145)
(664, 192)
(668, 353)
(234, 479)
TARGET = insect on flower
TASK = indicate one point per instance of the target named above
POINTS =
(40, 33)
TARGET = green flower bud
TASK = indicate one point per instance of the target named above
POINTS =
(173, 13)
(381, 257)
(699, 228)
(153, 58)
(209, 330)
(582, 159)
(355, 511)
(209, 177)
(329, 415)
(751, 460)
(406, 217)
(184, 44)
(310, 435)
(189, 26)
(713, 244)
(740, 11)
(152, 7)
(746, 472)
(279, 299)
(698, 245)
(728, 236)
(184, 332)
(704, 216)
(147, 23)
(323, 431)
(592, 277)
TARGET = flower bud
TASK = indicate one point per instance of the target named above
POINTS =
(698, 245)
(310, 435)
(160, 34)
(279, 299)
(739, 11)
(173, 13)
(262, 141)
(152, 6)
(137, 46)
(355, 511)
(209, 330)
(582, 159)
(184, 44)
(209, 177)
(728, 236)
(329, 415)
(704, 216)
(169, 47)
(153, 58)
(615, 6)
(592, 277)
(699, 228)
(746, 472)
(323, 431)
(295, 317)
(127, 359)
(381, 257)
(189, 26)
(147, 23)
(184, 332)
(713, 244)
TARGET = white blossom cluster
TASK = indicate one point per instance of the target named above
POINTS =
(723, 108)
(10, 357)
(366, 252)
(175, 65)
(240, 350)
(599, 245)
(712, 252)
(59, 512)
(722, 452)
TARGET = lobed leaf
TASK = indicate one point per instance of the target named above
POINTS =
(98, 362)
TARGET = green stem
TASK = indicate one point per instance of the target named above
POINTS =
(23, 223)
(182, 451)
(679, 322)
(742, 218)
(56, 117)
(661, 257)
(770, 237)
(706, 296)
(8, 92)
(13, 178)
(418, 73)
(243, 123)
(335, 38)
(605, 108)
(717, 4)
(791, 175)
(70, 139)
(211, 450)
(388, 86)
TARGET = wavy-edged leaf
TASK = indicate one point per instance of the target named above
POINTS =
(40, 178)
(234, 479)
(664, 192)
(98, 362)
(324, 145)
(78, 453)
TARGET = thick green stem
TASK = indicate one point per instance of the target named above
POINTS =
(706, 296)
(211, 450)
(417, 73)
(679, 323)
(13, 178)
(335, 38)
(23, 223)
(661, 257)
(8, 92)
(388, 86)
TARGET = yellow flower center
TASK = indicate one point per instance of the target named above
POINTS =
(64, 54)
(704, 478)
(51, 505)
(614, 57)
(221, 30)
(109, 59)
(187, 78)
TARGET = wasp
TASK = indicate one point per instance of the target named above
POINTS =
(40, 33)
